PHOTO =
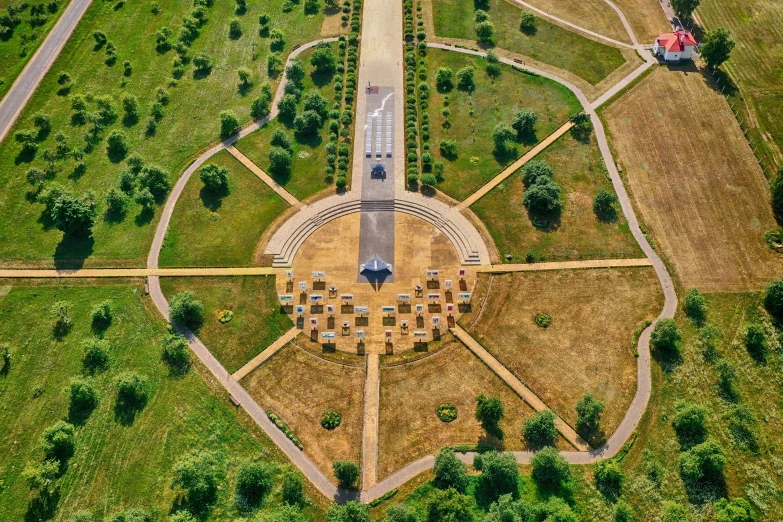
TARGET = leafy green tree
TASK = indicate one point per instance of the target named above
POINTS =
(582, 126)
(485, 31)
(295, 73)
(694, 306)
(480, 15)
(214, 177)
(36, 177)
(182, 515)
(493, 64)
(505, 509)
(703, 462)
(542, 197)
(448, 148)
(489, 412)
(292, 489)
(323, 60)
(444, 82)
(589, 411)
(716, 47)
(131, 515)
(665, 336)
(286, 107)
(279, 160)
(234, 29)
(176, 353)
(82, 516)
(132, 390)
(37, 476)
(346, 472)
(540, 430)
(738, 510)
(623, 512)
(202, 64)
(756, 341)
(117, 144)
(308, 123)
(185, 309)
(96, 355)
(287, 513)
(549, 468)
(229, 123)
(524, 123)
(603, 204)
(773, 298)
(684, 8)
(527, 22)
(130, 105)
(60, 312)
(280, 138)
(254, 482)
(155, 179)
(261, 105)
(533, 170)
(499, 474)
(466, 79)
(116, 202)
(59, 441)
(311, 7)
(314, 101)
(196, 474)
(777, 195)
(429, 179)
(689, 423)
(450, 506)
(402, 513)
(5, 356)
(245, 76)
(83, 397)
(502, 135)
(609, 479)
(145, 200)
(450, 472)
(351, 511)
(555, 510)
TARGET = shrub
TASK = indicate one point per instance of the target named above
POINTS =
(665, 336)
(673, 512)
(96, 355)
(402, 513)
(777, 194)
(202, 64)
(351, 511)
(185, 309)
(102, 313)
(214, 177)
(279, 160)
(254, 482)
(524, 123)
(689, 423)
(196, 474)
(694, 306)
(623, 512)
(549, 468)
(703, 462)
(489, 412)
(447, 412)
(603, 204)
(245, 76)
(341, 182)
(234, 29)
(450, 506)
(527, 21)
(485, 31)
(543, 320)
(292, 488)
(229, 123)
(429, 179)
(132, 389)
(448, 148)
(466, 80)
(83, 398)
(280, 138)
(756, 341)
(499, 474)
(117, 144)
(277, 421)
(543, 197)
(176, 353)
(330, 420)
(60, 312)
(346, 472)
(738, 510)
(609, 479)
(58, 441)
(534, 170)
(773, 298)
(540, 430)
(145, 200)
(450, 472)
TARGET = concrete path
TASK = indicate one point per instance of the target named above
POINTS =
(520, 388)
(372, 390)
(497, 180)
(268, 352)
(263, 176)
(139, 272)
(27, 82)
(564, 265)
(627, 26)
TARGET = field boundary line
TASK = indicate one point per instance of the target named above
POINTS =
(265, 354)
(564, 265)
(263, 176)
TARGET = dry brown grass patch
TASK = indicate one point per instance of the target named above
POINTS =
(593, 15)
(646, 18)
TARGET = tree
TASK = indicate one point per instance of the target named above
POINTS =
(39, 475)
(96, 355)
(493, 63)
(542, 197)
(280, 138)
(132, 390)
(351, 511)
(185, 309)
(448, 148)
(36, 177)
(117, 144)
(540, 430)
(549, 468)
(665, 335)
(527, 22)
(466, 79)
(60, 312)
(203, 64)
(777, 195)
(311, 7)
(450, 506)
(588, 411)
(609, 479)
(176, 353)
(5, 356)
(286, 107)
(582, 126)
(116, 202)
(287, 513)
(499, 474)
(524, 123)
(308, 123)
(261, 105)
(229, 123)
(279, 160)
(254, 482)
(244, 75)
(738, 510)
(533, 170)
(346, 472)
(323, 59)
(773, 298)
(694, 306)
(58, 441)
(292, 489)
(214, 177)
(196, 474)
(72, 215)
(673, 512)
(429, 179)
(155, 179)
(485, 31)
(133, 515)
(234, 29)
(295, 73)
(703, 462)
(716, 47)
(444, 82)
(480, 15)
(756, 341)
(603, 204)
(502, 135)
(688, 423)
(130, 105)
(489, 412)
(314, 101)
(450, 472)
(145, 200)
(100, 39)
(623, 512)
(684, 8)
(83, 398)
(402, 513)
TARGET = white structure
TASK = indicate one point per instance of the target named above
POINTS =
(676, 46)
(375, 264)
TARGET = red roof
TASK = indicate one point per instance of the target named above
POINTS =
(676, 41)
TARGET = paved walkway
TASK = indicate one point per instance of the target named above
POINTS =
(517, 385)
(532, 153)
(27, 82)
(138, 272)
(263, 176)
(564, 265)
(268, 352)
(372, 390)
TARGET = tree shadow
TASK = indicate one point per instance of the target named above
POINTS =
(505, 156)
(125, 411)
(144, 217)
(706, 491)
(26, 155)
(78, 416)
(244, 88)
(545, 221)
(529, 31)
(114, 216)
(594, 436)
(669, 360)
(78, 171)
(72, 251)
(200, 74)
(213, 200)
(608, 215)
(43, 506)
(320, 79)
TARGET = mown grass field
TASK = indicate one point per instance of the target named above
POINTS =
(550, 43)
(756, 68)
(257, 323)
(115, 466)
(300, 387)
(409, 427)
(306, 176)
(473, 116)
(220, 230)
(17, 49)
(578, 233)
(645, 17)
(695, 181)
(587, 347)
(189, 123)
(593, 15)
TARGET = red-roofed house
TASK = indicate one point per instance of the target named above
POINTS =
(676, 46)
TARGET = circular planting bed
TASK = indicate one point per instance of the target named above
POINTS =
(330, 420)
(543, 320)
(447, 412)
(225, 316)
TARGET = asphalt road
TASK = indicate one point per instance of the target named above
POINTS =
(27, 82)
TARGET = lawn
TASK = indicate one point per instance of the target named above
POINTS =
(705, 202)
(306, 176)
(473, 116)
(17, 48)
(190, 120)
(116, 465)
(593, 15)
(300, 387)
(550, 43)
(577, 233)
(257, 323)
(646, 19)
(409, 427)
(220, 230)
(586, 348)
(756, 67)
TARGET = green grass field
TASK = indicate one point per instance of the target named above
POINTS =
(17, 48)
(549, 44)
(473, 116)
(115, 466)
(207, 230)
(307, 174)
(578, 233)
(190, 120)
(257, 323)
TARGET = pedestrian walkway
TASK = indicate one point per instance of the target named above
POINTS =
(263, 176)
(139, 272)
(268, 352)
(518, 386)
(497, 180)
(372, 389)
(564, 265)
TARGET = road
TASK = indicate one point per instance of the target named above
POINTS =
(27, 82)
